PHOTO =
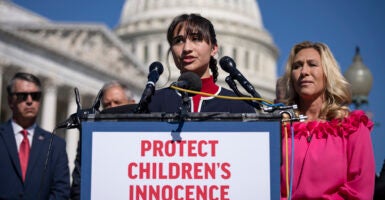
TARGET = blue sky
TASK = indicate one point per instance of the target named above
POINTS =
(342, 24)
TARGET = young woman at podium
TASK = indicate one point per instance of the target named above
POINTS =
(193, 45)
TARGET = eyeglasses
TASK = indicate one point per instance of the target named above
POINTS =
(23, 96)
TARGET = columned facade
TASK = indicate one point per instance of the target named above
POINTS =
(48, 119)
(63, 56)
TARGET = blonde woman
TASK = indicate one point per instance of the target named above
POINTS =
(333, 153)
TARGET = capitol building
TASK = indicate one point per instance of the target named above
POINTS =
(65, 55)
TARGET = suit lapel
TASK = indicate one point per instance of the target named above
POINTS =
(6, 132)
(40, 140)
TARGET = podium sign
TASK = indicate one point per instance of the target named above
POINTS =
(191, 160)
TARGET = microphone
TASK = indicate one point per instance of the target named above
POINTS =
(228, 65)
(71, 122)
(155, 70)
(189, 81)
(74, 120)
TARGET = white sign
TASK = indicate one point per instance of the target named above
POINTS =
(212, 165)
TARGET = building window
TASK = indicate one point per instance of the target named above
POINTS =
(220, 51)
(160, 51)
(257, 62)
(247, 58)
(235, 54)
(133, 48)
(145, 53)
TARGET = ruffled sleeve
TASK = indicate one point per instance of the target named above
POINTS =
(361, 168)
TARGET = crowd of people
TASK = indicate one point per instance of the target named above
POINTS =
(333, 156)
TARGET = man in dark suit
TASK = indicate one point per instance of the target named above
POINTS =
(24, 173)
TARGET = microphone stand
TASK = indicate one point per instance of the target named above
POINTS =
(183, 115)
(186, 106)
(145, 100)
(230, 81)
(74, 121)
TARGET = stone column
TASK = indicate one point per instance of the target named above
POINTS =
(227, 51)
(141, 6)
(72, 135)
(4, 65)
(241, 64)
(152, 51)
(48, 120)
(165, 47)
(252, 61)
(139, 50)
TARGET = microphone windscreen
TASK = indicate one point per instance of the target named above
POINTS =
(193, 81)
(156, 66)
(227, 64)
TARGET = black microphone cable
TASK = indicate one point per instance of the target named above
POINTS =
(46, 162)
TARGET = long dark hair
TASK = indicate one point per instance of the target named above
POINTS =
(194, 23)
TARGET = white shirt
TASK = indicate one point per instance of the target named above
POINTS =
(19, 136)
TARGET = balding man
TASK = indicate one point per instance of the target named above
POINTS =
(116, 94)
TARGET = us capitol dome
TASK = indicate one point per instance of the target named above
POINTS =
(239, 28)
